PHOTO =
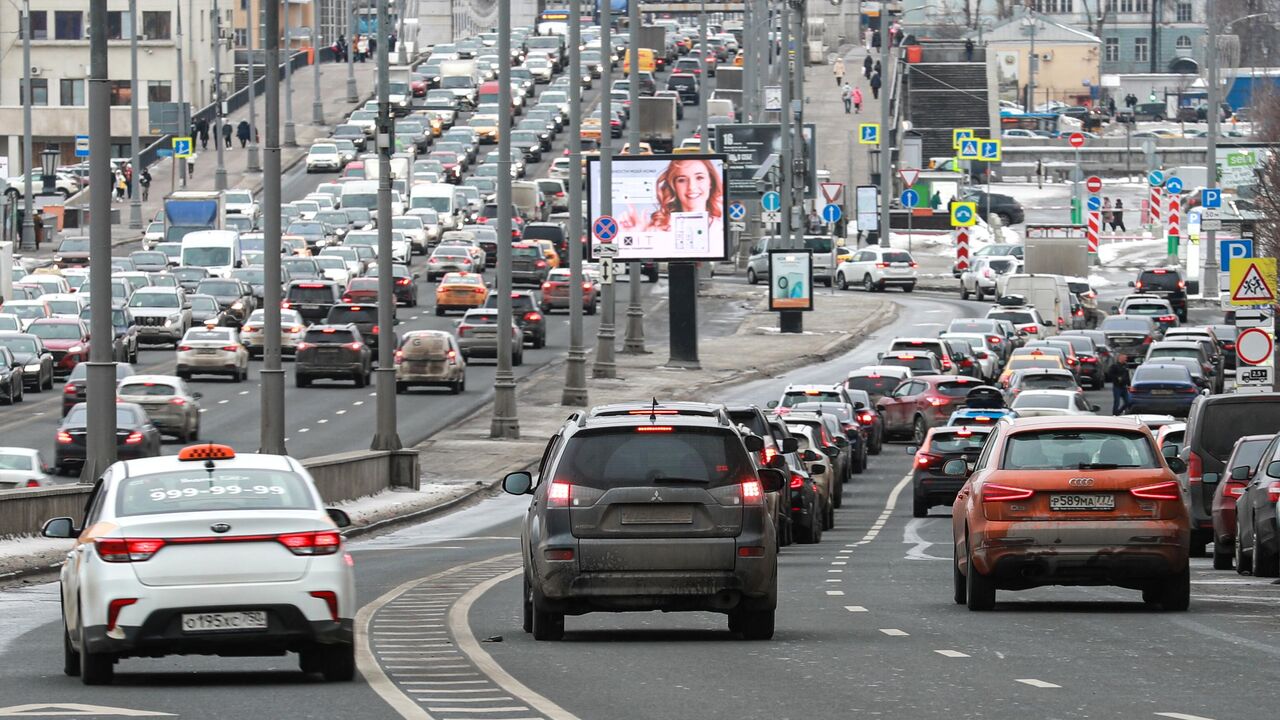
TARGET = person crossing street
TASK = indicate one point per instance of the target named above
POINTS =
(1120, 379)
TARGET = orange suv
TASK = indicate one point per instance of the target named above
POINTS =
(1071, 501)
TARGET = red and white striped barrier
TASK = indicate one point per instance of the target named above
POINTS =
(1092, 227)
(962, 249)
(1173, 205)
(1154, 206)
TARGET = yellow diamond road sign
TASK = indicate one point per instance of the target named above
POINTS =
(1253, 281)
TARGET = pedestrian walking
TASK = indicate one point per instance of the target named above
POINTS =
(226, 134)
(202, 130)
(128, 180)
(846, 94)
(144, 182)
(838, 70)
(242, 132)
(373, 45)
(876, 69)
(935, 200)
(875, 86)
(362, 47)
(1106, 214)
(119, 185)
(1120, 379)
(875, 39)
(968, 50)
(391, 43)
(1117, 217)
(857, 100)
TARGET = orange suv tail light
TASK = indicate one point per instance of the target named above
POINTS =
(992, 492)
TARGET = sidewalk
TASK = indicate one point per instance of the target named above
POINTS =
(463, 463)
(838, 148)
(333, 97)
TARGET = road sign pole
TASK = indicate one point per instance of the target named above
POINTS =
(273, 413)
(575, 367)
(505, 424)
(1154, 207)
(1173, 212)
(605, 365)
(962, 248)
(1091, 234)
(1209, 280)
(910, 216)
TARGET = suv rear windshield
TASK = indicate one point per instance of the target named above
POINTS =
(817, 244)
(519, 303)
(356, 314)
(872, 384)
(1222, 423)
(895, 256)
(796, 397)
(957, 441)
(1017, 317)
(956, 388)
(200, 490)
(543, 232)
(307, 294)
(329, 336)
(752, 420)
(1078, 450)
(915, 363)
(626, 457)
(1047, 382)
(1116, 323)
(1167, 280)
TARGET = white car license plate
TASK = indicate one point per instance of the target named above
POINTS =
(1091, 501)
(208, 622)
(207, 351)
(1161, 392)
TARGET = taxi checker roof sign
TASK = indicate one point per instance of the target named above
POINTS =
(667, 207)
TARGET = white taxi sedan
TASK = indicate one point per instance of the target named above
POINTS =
(206, 553)
(254, 335)
(212, 351)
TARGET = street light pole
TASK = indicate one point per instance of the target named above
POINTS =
(252, 164)
(386, 437)
(101, 379)
(290, 134)
(352, 97)
(135, 196)
(605, 365)
(271, 429)
(633, 340)
(886, 142)
(220, 174)
(1209, 283)
(505, 424)
(317, 107)
(575, 369)
(28, 154)
(402, 54)
(184, 113)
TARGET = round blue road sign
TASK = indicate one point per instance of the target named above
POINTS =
(963, 214)
(771, 201)
(910, 198)
(1095, 203)
(1173, 184)
(831, 213)
(1155, 178)
(737, 211)
(605, 228)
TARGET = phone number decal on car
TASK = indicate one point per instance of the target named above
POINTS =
(216, 490)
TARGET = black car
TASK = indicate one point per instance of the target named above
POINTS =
(76, 388)
(12, 382)
(1004, 207)
(311, 298)
(930, 485)
(136, 437)
(553, 231)
(687, 86)
(125, 345)
(778, 442)
(189, 277)
(29, 350)
(403, 285)
(334, 352)
(363, 316)
(233, 296)
(1167, 283)
(525, 312)
(805, 515)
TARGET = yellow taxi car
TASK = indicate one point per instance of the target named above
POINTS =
(645, 149)
(460, 291)
(486, 126)
(590, 129)
(549, 252)
(1033, 358)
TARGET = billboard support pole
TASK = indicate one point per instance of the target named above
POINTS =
(633, 340)
(605, 365)
(575, 367)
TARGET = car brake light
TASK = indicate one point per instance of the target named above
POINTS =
(1137, 285)
(993, 492)
(1167, 490)
(1182, 284)
(133, 438)
(177, 401)
(184, 348)
(797, 482)
(1030, 329)
(32, 483)
(403, 281)
(752, 493)
(1234, 489)
(587, 286)
(546, 286)
(69, 388)
(532, 317)
(1195, 468)
(560, 494)
(938, 401)
(323, 542)
(882, 264)
(353, 345)
(946, 363)
(330, 599)
(925, 459)
(866, 417)
(285, 304)
(64, 437)
(1087, 359)
(540, 264)
(230, 348)
(123, 550)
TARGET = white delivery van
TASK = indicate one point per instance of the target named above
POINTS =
(218, 251)
(1049, 294)
(441, 197)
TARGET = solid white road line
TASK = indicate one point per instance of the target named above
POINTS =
(889, 505)
(951, 653)
(470, 647)
(1036, 683)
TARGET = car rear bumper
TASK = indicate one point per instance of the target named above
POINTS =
(1166, 405)
(752, 584)
(289, 629)
(941, 490)
(1115, 552)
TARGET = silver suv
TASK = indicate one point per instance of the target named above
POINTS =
(641, 507)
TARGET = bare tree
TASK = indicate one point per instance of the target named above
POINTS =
(1266, 115)
(1096, 13)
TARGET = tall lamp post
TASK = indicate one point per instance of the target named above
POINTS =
(505, 424)
(290, 134)
(317, 107)
(633, 340)
(386, 437)
(28, 204)
(219, 174)
(605, 365)
(271, 429)
(135, 197)
(575, 378)
(251, 161)
(352, 97)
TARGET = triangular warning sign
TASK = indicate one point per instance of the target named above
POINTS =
(1253, 287)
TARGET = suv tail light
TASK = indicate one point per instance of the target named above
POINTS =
(559, 495)
(797, 481)
(133, 438)
(753, 492)
(1195, 468)
(992, 492)
(1167, 490)
(866, 417)
(1273, 492)
(1233, 489)
(532, 317)
(924, 460)
(353, 345)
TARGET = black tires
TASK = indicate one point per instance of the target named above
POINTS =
(301, 381)
(547, 625)
(1222, 559)
(868, 284)
(1266, 563)
(95, 669)
(337, 663)
(919, 507)
(841, 282)
(980, 595)
(526, 607)
(753, 624)
(959, 588)
(70, 658)
(1173, 595)
(918, 431)
(751, 276)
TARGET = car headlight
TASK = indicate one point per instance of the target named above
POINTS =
(237, 305)
(173, 319)
(75, 349)
(34, 368)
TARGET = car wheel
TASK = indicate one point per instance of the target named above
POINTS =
(755, 624)
(980, 591)
(919, 430)
(919, 507)
(868, 284)
(1175, 593)
(195, 431)
(964, 291)
(959, 589)
(518, 359)
(400, 388)
(1243, 564)
(48, 385)
(1266, 563)
(1005, 218)
(829, 517)
(70, 658)
(751, 276)
(841, 282)
(526, 606)
(358, 378)
(909, 287)
(546, 625)
(439, 311)
(302, 382)
(1222, 560)
(95, 668)
(539, 342)
(184, 376)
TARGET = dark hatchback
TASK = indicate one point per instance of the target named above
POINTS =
(1242, 467)
(364, 317)
(311, 298)
(930, 485)
(1257, 546)
(136, 437)
(1167, 283)
(336, 352)
(525, 312)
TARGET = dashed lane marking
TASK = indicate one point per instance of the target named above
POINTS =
(1181, 716)
(223, 402)
(1036, 683)
(855, 608)
(894, 632)
(952, 653)
(835, 593)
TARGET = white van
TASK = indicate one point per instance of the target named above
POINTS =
(441, 197)
(218, 251)
(360, 194)
(1049, 294)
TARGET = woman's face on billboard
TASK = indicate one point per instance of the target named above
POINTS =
(692, 185)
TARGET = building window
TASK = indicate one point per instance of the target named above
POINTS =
(155, 25)
(1140, 49)
(1112, 6)
(159, 91)
(1111, 49)
(71, 92)
(121, 92)
(1182, 43)
(241, 37)
(118, 25)
(1135, 6)
(1184, 12)
(39, 25)
(68, 25)
(39, 92)
(1054, 6)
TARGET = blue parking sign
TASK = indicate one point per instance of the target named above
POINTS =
(1228, 250)
(1211, 198)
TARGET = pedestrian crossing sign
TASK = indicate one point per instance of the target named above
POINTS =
(869, 134)
(989, 151)
(958, 134)
(969, 149)
(182, 147)
(1253, 281)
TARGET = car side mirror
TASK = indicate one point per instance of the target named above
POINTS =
(817, 469)
(1169, 451)
(913, 449)
(1177, 465)
(339, 517)
(831, 451)
(753, 443)
(1130, 283)
(1115, 309)
(772, 480)
(517, 483)
(788, 445)
(841, 442)
(1209, 478)
(197, 395)
(59, 528)
(1240, 473)
(772, 404)
(810, 455)
(955, 468)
